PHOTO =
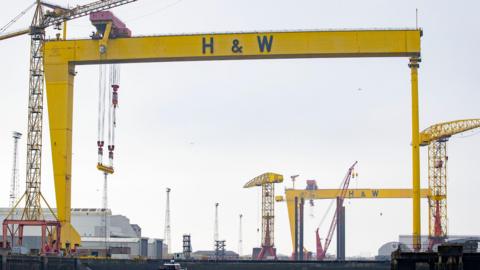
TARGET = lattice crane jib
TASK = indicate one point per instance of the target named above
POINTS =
(267, 181)
(436, 137)
(447, 129)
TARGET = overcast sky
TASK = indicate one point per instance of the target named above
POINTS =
(205, 128)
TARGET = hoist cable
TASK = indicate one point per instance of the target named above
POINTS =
(104, 90)
(110, 105)
(101, 111)
(99, 127)
(111, 101)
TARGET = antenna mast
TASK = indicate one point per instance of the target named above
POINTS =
(240, 237)
(294, 178)
(167, 235)
(14, 184)
(215, 233)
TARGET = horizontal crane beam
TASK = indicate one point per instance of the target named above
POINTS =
(321, 194)
(262, 45)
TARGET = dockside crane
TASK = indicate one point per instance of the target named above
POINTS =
(322, 251)
(62, 56)
(331, 194)
(45, 15)
(267, 181)
(436, 138)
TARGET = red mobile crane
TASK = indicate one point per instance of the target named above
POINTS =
(322, 251)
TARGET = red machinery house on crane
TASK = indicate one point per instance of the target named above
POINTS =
(101, 19)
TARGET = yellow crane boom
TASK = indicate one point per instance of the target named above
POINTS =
(266, 178)
(447, 129)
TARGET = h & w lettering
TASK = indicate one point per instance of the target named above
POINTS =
(265, 43)
(206, 45)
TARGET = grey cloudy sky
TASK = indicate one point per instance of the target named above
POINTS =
(205, 128)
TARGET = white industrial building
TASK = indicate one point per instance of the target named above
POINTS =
(124, 239)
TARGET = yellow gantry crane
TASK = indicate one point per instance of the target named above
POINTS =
(324, 194)
(267, 181)
(61, 57)
(436, 138)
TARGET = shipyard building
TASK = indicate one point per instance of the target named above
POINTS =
(122, 240)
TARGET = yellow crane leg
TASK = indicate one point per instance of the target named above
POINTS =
(59, 82)
(414, 64)
(291, 219)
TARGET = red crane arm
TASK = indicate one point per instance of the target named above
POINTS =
(343, 193)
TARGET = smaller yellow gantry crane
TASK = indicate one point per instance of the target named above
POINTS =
(330, 194)
(436, 138)
(267, 182)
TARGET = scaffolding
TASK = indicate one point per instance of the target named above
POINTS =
(187, 246)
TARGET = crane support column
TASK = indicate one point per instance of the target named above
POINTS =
(59, 81)
(414, 65)
(301, 219)
(340, 230)
(295, 249)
